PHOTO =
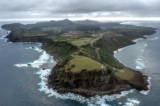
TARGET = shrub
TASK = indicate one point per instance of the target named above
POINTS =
(69, 69)
(72, 66)
(68, 58)
(83, 70)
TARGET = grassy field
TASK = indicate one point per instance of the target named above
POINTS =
(82, 62)
(76, 42)
(128, 74)
(83, 41)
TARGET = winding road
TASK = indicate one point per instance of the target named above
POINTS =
(96, 50)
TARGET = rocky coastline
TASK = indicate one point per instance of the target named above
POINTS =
(104, 84)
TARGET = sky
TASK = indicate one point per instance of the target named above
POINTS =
(80, 9)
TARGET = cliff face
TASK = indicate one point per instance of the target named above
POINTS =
(95, 83)
(88, 84)
(17, 37)
(139, 81)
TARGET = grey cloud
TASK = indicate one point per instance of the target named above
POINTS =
(78, 8)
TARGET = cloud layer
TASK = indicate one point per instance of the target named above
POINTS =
(41, 9)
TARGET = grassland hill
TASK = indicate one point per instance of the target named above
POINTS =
(85, 61)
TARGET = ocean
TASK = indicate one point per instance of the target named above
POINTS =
(24, 67)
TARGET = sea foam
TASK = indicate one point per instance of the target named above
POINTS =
(21, 65)
(43, 59)
(145, 45)
(35, 48)
(140, 64)
(149, 86)
(4, 36)
(155, 38)
(132, 102)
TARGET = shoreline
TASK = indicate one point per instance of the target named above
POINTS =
(112, 96)
(118, 50)
(137, 39)
(134, 40)
(148, 78)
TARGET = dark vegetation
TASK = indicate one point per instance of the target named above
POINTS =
(134, 32)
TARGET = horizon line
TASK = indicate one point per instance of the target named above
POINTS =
(90, 18)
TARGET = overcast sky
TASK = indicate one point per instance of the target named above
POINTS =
(79, 9)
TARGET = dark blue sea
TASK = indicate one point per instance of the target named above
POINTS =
(22, 79)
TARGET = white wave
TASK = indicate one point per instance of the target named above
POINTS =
(145, 45)
(138, 59)
(3, 37)
(105, 104)
(21, 65)
(37, 63)
(40, 44)
(139, 68)
(8, 32)
(132, 102)
(120, 103)
(29, 42)
(38, 49)
(155, 38)
(35, 48)
(149, 86)
(5, 34)
(42, 60)
(140, 64)
(29, 48)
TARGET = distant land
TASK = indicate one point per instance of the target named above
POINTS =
(84, 53)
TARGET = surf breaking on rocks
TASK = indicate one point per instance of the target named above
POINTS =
(44, 72)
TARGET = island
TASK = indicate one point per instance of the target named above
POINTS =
(84, 51)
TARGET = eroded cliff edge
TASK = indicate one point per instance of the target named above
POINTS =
(96, 82)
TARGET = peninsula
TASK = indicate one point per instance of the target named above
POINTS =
(84, 53)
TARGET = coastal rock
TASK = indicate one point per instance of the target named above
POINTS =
(44, 68)
(29, 65)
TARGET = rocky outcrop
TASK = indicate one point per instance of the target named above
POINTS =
(139, 81)
(92, 84)
(17, 38)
